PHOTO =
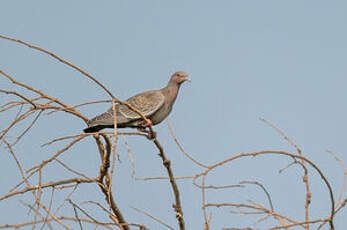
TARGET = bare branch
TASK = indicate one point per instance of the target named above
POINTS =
(181, 148)
(130, 157)
(263, 188)
(152, 217)
(167, 164)
(59, 59)
(343, 166)
(271, 152)
(52, 184)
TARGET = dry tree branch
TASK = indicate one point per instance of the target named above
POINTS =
(51, 184)
(270, 213)
(83, 211)
(71, 65)
(73, 219)
(217, 187)
(82, 104)
(38, 188)
(76, 215)
(16, 160)
(177, 206)
(49, 207)
(263, 188)
(262, 209)
(104, 187)
(164, 178)
(28, 128)
(19, 95)
(12, 104)
(203, 200)
(75, 186)
(207, 223)
(275, 152)
(71, 169)
(18, 119)
(131, 158)
(181, 148)
(152, 217)
(115, 139)
(57, 220)
(340, 204)
(38, 197)
(74, 67)
(304, 223)
(105, 159)
(32, 89)
(305, 177)
(45, 162)
(100, 206)
(343, 166)
(39, 213)
(63, 138)
(113, 217)
(104, 178)
(59, 59)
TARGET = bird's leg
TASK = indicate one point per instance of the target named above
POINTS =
(151, 134)
(148, 123)
(142, 129)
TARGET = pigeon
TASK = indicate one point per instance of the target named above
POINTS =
(156, 105)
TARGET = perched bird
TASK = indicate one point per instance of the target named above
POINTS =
(155, 105)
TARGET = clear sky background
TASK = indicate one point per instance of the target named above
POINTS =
(281, 60)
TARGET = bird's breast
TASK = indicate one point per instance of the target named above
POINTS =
(159, 116)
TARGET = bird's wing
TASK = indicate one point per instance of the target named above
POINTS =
(148, 103)
(105, 118)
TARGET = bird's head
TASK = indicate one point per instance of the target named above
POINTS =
(180, 77)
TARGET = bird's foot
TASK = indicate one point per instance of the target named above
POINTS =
(148, 123)
(151, 135)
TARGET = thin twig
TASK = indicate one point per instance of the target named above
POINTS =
(164, 178)
(59, 59)
(303, 164)
(51, 184)
(343, 166)
(276, 152)
(19, 95)
(263, 188)
(130, 157)
(181, 148)
(152, 217)
(17, 226)
(45, 162)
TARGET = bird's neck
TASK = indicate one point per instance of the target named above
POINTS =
(172, 91)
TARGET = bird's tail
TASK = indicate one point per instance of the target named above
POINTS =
(95, 128)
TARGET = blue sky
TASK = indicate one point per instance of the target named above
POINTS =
(281, 60)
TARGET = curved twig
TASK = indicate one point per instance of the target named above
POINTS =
(268, 152)
(59, 59)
